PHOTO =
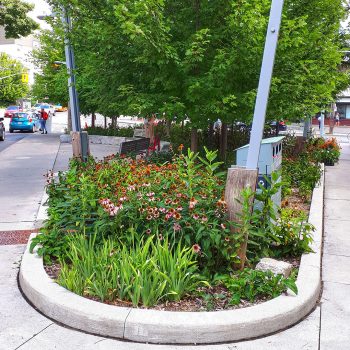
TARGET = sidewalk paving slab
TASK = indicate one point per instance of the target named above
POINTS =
(335, 322)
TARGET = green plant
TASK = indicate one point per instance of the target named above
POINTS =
(144, 273)
(52, 244)
(252, 284)
(292, 233)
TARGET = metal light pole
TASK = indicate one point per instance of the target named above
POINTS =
(264, 83)
(83, 150)
(73, 96)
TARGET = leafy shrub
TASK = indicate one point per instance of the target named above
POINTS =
(325, 151)
(300, 166)
(292, 233)
(120, 132)
(252, 284)
(143, 273)
(273, 231)
(52, 244)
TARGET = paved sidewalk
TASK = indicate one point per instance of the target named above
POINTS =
(335, 306)
(327, 327)
(22, 166)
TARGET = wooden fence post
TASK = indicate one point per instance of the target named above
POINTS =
(239, 178)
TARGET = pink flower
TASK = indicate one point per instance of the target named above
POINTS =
(176, 227)
(204, 219)
(195, 216)
(196, 248)
(223, 226)
(148, 231)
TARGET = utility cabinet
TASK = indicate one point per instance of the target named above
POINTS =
(270, 160)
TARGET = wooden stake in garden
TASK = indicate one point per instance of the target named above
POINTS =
(239, 178)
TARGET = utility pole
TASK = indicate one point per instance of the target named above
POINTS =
(80, 141)
(264, 83)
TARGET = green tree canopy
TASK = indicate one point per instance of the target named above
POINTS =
(11, 85)
(202, 58)
(14, 19)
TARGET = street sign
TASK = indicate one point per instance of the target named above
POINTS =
(25, 78)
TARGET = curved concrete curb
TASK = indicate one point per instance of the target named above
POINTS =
(153, 326)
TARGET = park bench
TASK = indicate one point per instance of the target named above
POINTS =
(137, 146)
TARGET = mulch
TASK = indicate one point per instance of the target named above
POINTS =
(15, 237)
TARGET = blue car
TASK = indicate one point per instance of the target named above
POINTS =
(24, 122)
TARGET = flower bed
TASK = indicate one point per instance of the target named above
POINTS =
(146, 232)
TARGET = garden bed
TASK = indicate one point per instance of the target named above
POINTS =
(151, 238)
(154, 326)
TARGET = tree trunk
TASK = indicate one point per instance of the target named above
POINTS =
(105, 122)
(223, 141)
(93, 119)
(194, 140)
(332, 119)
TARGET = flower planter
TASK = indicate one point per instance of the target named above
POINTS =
(329, 162)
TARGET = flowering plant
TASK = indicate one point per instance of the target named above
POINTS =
(129, 199)
(326, 151)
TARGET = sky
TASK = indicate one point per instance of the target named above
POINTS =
(41, 8)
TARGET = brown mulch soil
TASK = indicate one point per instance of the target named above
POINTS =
(294, 201)
(15, 237)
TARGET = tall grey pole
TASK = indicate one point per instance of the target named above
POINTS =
(264, 84)
(73, 96)
(322, 133)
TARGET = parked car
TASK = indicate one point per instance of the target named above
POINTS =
(281, 125)
(60, 108)
(50, 109)
(2, 129)
(10, 110)
(25, 122)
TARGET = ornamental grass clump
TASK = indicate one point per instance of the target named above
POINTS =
(144, 273)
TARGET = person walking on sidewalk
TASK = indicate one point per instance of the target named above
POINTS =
(43, 118)
(337, 119)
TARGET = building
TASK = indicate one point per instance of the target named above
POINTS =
(343, 106)
(20, 49)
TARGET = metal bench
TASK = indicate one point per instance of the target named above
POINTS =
(137, 146)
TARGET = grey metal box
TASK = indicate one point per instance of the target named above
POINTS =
(270, 160)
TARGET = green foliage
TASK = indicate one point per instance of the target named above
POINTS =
(300, 167)
(144, 274)
(14, 18)
(52, 244)
(186, 59)
(325, 151)
(121, 132)
(120, 197)
(292, 234)
(51, 82)
(11, 86)
(272, 231)
(252, 284)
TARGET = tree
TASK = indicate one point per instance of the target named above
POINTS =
(201, 59)
(51, 82)
(14, 19)
(11, 86)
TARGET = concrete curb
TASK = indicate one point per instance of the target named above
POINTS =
(153, 326)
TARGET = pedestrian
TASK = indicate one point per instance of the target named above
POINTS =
(43, 118)
(337, 119)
